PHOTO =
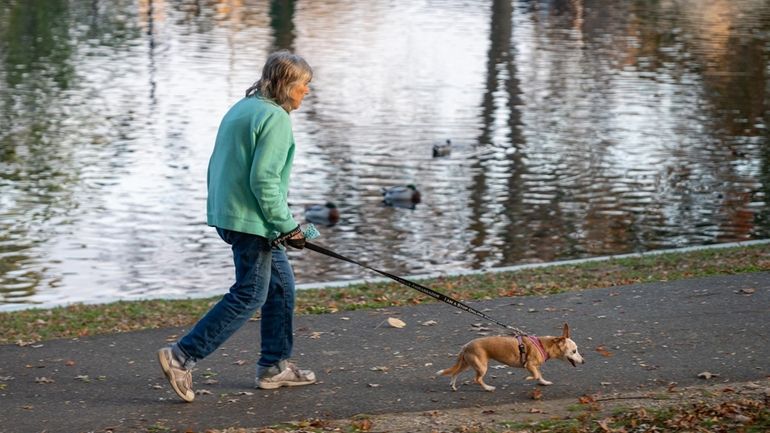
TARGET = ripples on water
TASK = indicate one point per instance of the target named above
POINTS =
(579, 129)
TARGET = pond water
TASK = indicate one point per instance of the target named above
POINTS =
(578, 128)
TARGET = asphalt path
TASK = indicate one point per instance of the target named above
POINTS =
(633, 337)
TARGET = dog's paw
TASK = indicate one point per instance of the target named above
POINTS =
(530, 378)
(545, 382)
(489, 388)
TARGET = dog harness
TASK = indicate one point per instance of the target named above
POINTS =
(538, 345)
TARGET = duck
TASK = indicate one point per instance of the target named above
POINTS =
(442, 149)
(326, 214)
(402, 194)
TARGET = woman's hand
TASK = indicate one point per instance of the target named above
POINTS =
(294, 239)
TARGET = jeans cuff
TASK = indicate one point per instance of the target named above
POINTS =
(187, 362)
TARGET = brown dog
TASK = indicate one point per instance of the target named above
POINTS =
(505, 349)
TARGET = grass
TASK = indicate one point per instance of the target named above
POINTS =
(34, 325)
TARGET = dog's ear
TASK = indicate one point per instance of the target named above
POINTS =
(565, 331)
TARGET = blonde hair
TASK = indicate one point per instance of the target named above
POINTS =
(281, 73)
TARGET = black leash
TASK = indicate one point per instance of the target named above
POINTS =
(430, 292)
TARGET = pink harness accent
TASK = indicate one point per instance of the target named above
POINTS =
(539, 346)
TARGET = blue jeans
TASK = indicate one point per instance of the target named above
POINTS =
(263, 279)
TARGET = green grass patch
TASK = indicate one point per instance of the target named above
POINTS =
(27, 326)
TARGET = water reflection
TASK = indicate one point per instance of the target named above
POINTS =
(577, 129)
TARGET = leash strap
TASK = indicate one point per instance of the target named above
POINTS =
(428, 291)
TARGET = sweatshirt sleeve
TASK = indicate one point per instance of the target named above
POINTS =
(273, 145)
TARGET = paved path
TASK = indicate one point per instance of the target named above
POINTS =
(654, 333)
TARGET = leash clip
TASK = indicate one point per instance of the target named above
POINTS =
(522, 351)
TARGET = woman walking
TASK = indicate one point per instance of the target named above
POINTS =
(248, 180)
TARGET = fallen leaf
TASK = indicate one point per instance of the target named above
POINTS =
(202, 392)
(429, 323)
(396, 323)
(69, 363)
(245, 393)
(603, 351)
(316, 335)
(535, 410)
(379, 368)
(707, 375)
(83, 378)
(363, 425)
(488, 412)
(239, 362)
(44, 380)
(536, 394)
(748, 291)
(604, 424)
(586, 399)
(373, 385)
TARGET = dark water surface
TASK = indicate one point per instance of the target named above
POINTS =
(578, 129)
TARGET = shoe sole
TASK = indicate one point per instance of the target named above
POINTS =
(274, 385)
(166, 367)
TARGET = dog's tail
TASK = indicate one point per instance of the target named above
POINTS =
(455, 369)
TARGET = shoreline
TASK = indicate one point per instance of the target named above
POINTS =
(26, 326)
(341, 284)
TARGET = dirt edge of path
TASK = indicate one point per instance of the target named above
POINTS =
(503, 417)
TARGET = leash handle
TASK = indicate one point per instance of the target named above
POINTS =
(428, 291)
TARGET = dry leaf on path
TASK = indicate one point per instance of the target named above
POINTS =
(396, 323)
(707, 375)
(603, 351)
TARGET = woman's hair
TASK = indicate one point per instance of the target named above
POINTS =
(282, 71)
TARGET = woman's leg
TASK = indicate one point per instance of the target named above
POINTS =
(276, 325)
(252, 258)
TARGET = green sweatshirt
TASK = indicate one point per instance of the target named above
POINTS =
(248, 175)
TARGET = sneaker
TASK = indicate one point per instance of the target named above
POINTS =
(283, 374)
(179, 377)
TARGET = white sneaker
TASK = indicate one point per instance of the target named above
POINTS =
(283, 374)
